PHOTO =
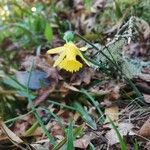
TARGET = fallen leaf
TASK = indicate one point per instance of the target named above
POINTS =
(84, 76)
(144, 28)
(143, 87)
(146, 98)
(20, 127)
(40, 62)
(147, 146)
(110, 89)
(124, 129)
(145, 129)
(86, 139)
(56, 130)
(112, 112)
(39, 147)
(42, 145)
(66, 85)
(3, 137)
(12, 136)
(114, 92)
(38, 79)
(15, 140)
(145, 77)
(43, 94)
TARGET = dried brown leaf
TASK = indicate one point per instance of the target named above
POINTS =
(146, 98)
(56, 130)
(145, 129)
(12, 136)
(86, 139)
(43, 94)
(83, 76)
(72, 88)
(112, 112)
(124, 129)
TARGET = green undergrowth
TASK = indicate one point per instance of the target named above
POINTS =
(34, 31)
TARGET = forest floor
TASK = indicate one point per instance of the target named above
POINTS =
(75, 75)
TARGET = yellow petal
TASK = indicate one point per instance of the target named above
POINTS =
(70, 65)
(71, 54)
(59, 59)
(71, 46)
(56, 50)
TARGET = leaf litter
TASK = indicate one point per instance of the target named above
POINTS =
(61, 100)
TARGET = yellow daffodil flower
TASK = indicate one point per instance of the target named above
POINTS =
(67, 57)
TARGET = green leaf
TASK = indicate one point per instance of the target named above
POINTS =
(70, 137)
(58, 120)
(76, 132)
(30, 131)
(91, 147)
(61, 105)
(118, 9)
(85, 116)
(121, 139)
(48, 32)
(95, 103)
(88, 3)
(25, 27)
(12, 82)
(136, 145)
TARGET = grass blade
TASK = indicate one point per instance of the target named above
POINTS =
(136, 146)
(70, 137)
(39, 120)
(91, 147)
(120, 73)
(121, 140)
(85, 116)
(61, 105)
(95, 103)
(76, 132)
(58, 120)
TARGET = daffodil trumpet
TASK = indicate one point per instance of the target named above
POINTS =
(67, 57)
